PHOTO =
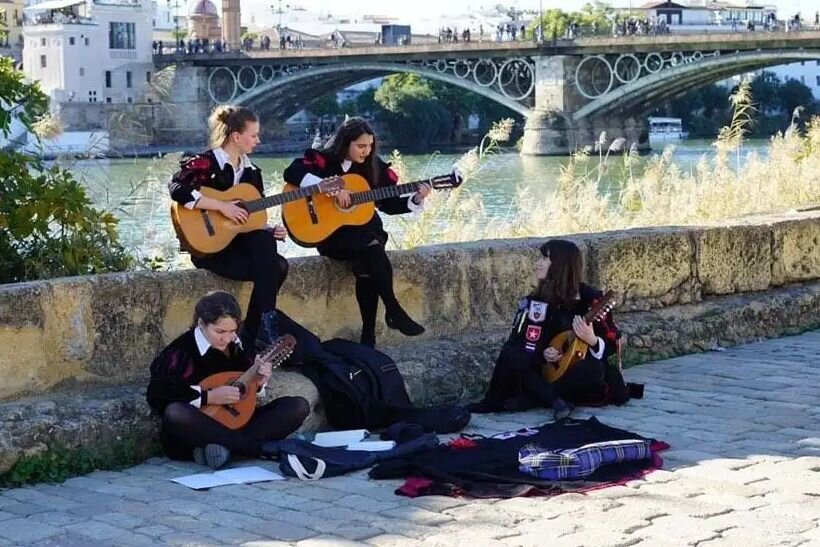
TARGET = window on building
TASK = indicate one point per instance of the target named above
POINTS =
(108, 79)
(87, 41)
(92, 96)
(802, 63)
(122, 36)
(128, 81)
(82, 71)
(818, 62)
(108, 99)
(71, 40)
(129, 99)
(42, 61)
(42, 42)
(802, 79)
(148, 77)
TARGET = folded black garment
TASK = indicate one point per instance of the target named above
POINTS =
(489, 466)
(303, 459)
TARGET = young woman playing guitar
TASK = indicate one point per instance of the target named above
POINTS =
(209, 347)
(251, 256)
(353, 149)
(556, 305)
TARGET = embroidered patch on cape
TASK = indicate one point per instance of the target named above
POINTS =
(529, 346)
(538, 311)
(533, 333)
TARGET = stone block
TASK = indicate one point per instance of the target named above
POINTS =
(796, 250)
(649, 268)
(734, 259)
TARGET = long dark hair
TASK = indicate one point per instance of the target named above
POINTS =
(214, 306)
(560, 287)
(349, 131)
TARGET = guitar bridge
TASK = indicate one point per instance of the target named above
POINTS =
(312, 211)
(231, 410)
(207, 220)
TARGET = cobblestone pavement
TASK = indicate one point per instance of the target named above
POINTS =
(744, 469)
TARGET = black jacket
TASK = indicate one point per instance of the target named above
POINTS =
(203, 170)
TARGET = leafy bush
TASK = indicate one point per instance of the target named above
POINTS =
(48, 226)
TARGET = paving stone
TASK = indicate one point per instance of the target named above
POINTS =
(393, 540)
(26, 531)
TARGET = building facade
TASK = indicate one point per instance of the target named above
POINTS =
(89, 50)
(11, 28)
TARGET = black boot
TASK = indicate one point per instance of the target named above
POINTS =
(397, 318)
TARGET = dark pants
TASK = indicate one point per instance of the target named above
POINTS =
(363, 247)
(251, 257)
(516, 375)
(184, 428)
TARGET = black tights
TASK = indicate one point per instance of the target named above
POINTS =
(374, 279)
(184, 428)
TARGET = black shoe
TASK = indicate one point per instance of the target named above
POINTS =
(398, 319)
(270, 450)
(518, 404)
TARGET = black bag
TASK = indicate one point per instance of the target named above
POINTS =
(358, 384)
(362, 387)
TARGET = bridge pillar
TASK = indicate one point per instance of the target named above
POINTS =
(550, 129)
(186, 119)
(231, 30)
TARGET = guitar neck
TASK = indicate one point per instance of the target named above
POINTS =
(279, 199)
(386, 192)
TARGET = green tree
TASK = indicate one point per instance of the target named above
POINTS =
(794, 94)
(326, 105)
(366, 102)
(764, 89)
(48, 226)
(411, 111)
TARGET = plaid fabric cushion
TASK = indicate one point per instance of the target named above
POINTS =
(577, 463)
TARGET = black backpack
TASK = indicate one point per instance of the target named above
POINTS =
(360, 386)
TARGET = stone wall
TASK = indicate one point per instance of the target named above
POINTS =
(80, 347)
(106, 329)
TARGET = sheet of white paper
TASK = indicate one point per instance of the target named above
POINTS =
(372, 446)
(339, 438)
(202, 480)
(237, 475)
(246, 475)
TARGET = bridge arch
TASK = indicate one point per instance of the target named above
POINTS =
(648, 92)
(296, 90)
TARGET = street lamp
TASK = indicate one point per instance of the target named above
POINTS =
(175, 15)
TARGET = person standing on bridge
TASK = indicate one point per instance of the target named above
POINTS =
(353, 150)
(251, 256)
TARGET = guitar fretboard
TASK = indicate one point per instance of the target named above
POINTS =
(278, 199)
(386, 192)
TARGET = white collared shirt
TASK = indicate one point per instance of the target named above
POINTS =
(310, 179)
(203, 346)
(222, 158)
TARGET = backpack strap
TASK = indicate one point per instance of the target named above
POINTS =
(303, 473)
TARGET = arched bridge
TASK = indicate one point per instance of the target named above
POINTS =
(569, 91)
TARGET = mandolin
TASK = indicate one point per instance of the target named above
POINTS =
(572, 348)
(310, 221)
(237, 414)
(207, 232)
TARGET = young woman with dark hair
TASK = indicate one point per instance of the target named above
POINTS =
(353, 149)
(557, 303)
(210, 346)
(251, 256)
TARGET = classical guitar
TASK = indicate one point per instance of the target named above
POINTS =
(572, 348)
(311, 221)
(237, 414)
(207, 232)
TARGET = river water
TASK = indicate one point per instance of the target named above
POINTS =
(134, 189)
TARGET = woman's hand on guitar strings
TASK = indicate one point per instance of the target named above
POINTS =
(234, 211)
(424, 191)
(343, 198)
(264, 370)
(552, 355)
(279, 232)
(584, 330)
(223, 395)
